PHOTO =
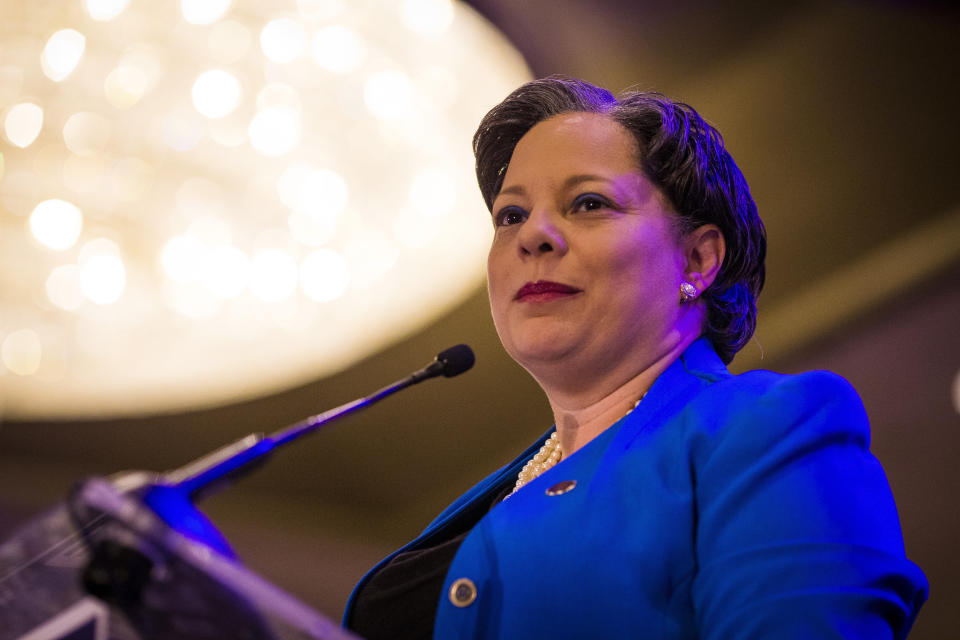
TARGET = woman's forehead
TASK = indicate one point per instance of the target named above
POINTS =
(577, 141)
(572, 144)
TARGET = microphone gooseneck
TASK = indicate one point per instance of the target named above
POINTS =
(239, 457)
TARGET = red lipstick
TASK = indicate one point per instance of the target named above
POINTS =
(544, 290)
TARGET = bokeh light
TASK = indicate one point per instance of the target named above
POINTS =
(427, 17)
(56, 224)
(104, 10)
(203, 11)
(147, 60)
(124, 86)
(23, 123)
(21, 352)
(86, 133)
(216, 93)
(62, 54)
(322, 190)
(103, 278)
(283, 40)
(63, 287)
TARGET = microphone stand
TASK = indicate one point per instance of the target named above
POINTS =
(228, 462)
(149, 548)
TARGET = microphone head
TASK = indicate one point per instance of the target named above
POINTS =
(455, 360)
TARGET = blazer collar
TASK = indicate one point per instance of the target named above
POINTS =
(698, 366)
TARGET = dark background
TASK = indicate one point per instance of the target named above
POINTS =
(842, 115)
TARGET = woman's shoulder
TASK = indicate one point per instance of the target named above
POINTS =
(764, 405)
(761, 391)
(806, 387)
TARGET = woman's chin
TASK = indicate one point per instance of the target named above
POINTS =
(544, 349)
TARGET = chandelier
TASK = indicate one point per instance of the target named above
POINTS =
(206, 201)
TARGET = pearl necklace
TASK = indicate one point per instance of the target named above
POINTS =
(546, 458)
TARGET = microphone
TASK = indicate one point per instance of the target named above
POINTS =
(448, 363)
(241, 456)
(171, 496)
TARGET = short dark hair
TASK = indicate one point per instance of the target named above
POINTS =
(681, 154)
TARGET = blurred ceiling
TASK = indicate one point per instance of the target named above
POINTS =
(842, 115)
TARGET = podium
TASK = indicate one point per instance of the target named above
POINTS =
(131, 558)
(107, 564)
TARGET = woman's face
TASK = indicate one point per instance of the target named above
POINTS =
(585, 264)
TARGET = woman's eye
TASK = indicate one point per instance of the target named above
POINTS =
(589, 202)
(509, 216)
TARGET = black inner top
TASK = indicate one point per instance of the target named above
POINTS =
(399, 601)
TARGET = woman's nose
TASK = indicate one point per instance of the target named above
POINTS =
(540, 235)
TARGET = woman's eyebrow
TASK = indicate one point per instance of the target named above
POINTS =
(515, 190)
(572, 181)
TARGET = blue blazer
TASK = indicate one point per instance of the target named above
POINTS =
(722, 507)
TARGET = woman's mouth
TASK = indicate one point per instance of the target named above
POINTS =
(544, 290)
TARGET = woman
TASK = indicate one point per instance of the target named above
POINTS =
(672, 499)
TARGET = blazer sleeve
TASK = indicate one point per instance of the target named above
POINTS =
(797, 534)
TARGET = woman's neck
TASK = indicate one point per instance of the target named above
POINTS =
(588, 411)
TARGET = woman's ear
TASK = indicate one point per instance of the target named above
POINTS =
(704, 249)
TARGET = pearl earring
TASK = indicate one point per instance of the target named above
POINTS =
(688, 292)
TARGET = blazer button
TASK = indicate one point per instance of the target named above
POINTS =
(463, 592)
(561, 487)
